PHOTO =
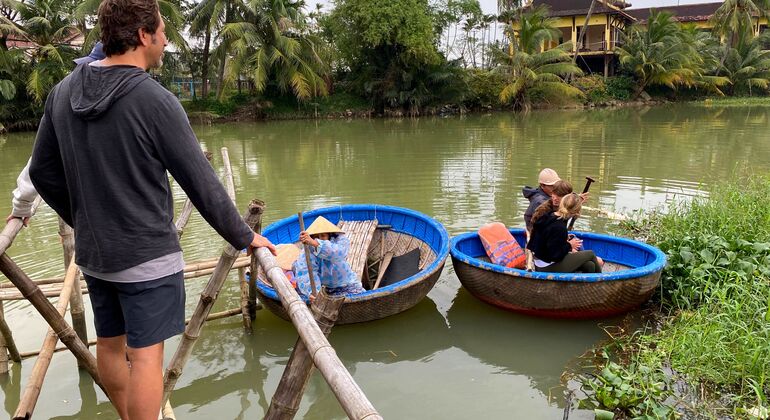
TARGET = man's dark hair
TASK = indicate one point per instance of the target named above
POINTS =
(121, 20)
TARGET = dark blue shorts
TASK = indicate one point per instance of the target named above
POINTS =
(146, 312)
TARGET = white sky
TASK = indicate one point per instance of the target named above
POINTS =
(490, 6)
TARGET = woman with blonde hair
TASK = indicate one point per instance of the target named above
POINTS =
(556, 251)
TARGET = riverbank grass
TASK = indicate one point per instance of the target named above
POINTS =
(713, 336)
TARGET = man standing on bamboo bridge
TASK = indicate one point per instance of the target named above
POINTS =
(108, 135)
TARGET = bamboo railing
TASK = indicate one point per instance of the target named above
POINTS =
(288, 395)
(350, 396)
(77, 310)
(244, 286)
(31, 393)
(206, 301)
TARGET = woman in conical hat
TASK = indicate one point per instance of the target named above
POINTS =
(328, 257)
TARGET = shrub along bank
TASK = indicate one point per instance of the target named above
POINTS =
(709, 352)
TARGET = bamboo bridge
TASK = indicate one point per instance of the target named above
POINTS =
(312, 347)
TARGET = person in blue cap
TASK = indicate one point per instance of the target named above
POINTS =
(25, 194)
(97, 54)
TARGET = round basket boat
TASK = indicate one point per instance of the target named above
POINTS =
(400, 231)
(631, 273)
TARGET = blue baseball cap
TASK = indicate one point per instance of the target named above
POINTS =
(97, 53)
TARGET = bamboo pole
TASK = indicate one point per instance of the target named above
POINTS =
(167, 413)
(206, 301)
(77, 310)
(32, 391)
(13, 227)
(184, 217)
(253, 304)
(3, 351)
(191, 270)
(216, 315)
(288, 395)
(307, 257)
(244, 286)
(348, 393)
(187, 208)
(7, 335)
(66, 334)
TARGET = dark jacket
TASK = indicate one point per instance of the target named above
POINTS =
(106, 139)
(536, 197)
(549, 239)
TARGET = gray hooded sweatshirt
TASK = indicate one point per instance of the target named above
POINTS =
(105, 142)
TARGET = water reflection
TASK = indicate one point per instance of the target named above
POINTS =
(536, 348)
(450, 349)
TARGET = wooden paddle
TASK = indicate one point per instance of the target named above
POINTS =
(383, 267)
(307, 256)
(589, 180)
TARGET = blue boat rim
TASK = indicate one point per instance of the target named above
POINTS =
(656, 265)
(441, 252)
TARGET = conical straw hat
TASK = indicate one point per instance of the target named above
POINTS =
(287, 254)
(321, 225)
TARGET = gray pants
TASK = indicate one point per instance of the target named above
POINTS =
(575, 262)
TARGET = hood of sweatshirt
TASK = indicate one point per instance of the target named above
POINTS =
(530, 192)
(93, 89)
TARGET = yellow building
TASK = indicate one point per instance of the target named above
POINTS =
(596, 54)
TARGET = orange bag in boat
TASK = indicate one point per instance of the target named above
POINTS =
(501, 246)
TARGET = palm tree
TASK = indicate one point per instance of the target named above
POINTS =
(271, 44)
(657, 55)
(747, 66)
(531, 68)
(734, 19)
(47, 30)
(207, 18)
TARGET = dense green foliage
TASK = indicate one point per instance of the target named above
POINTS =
(716, 292)
(387, 52)
(530, 68)
(397, 57)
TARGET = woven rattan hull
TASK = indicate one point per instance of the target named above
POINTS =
(558, 299)
(630, 276)
(374, 306)
(404, 230)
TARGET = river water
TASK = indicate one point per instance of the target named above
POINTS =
(450, 357)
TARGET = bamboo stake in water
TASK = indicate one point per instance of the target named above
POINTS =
(288, 395)
(77, 310)
(32, 391)
(244, 286)
(307, 256)
(348, 393)
(7, 344)
(66, 334)
(187, 208)
(207, 299)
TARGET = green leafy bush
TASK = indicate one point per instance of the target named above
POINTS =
(620, 87)
(716, 294)
(637, 391)
(484, 88)
(593, 87)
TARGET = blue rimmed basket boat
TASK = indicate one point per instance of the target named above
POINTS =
(631, 273)
(406, 230)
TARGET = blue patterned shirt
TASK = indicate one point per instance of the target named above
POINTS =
(330, 267)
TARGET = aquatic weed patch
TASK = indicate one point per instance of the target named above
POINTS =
(631, 390)
(715, 296)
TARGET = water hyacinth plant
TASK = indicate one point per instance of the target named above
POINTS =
(715, 299)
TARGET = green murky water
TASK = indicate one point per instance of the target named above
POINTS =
(450, 357)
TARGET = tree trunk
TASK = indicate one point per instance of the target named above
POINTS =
(205, 63)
